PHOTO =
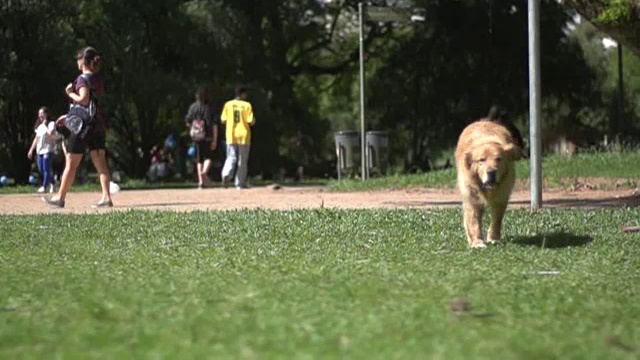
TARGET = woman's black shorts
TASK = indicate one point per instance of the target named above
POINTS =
(204, 151)
(92, 141)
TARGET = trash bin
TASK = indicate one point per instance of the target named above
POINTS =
(377, 151)
(347, 144)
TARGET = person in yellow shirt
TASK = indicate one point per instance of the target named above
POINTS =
(237, 115)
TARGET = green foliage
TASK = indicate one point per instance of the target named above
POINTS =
(616, 12)
(319, 283)
(618, 18)
(425, 81)
(607, 116)
(32, 37)
(558, 171)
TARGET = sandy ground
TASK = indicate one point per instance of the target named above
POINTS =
(286, 198)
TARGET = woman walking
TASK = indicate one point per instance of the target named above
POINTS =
(87, 88)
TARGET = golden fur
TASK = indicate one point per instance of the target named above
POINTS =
(485, 157)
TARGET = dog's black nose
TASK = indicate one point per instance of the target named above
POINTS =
(491, 176)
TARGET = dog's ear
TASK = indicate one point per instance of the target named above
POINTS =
(513, 151)
(468, 160)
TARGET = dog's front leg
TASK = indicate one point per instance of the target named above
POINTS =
(473, 224)
(497, 214)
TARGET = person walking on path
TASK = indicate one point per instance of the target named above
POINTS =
(204, 132)
(88, 87)
(44, 146)
(237, 115)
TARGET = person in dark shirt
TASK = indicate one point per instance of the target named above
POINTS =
(86, 85)
(202, 110)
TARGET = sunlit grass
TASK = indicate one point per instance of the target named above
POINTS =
(558, 171)
(317, 284)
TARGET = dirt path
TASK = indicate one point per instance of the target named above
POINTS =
(287, 198)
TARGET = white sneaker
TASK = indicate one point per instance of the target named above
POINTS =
(41, 189)
(52, 189)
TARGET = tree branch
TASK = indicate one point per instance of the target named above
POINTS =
(320, 44)
(338, 68)
(624, 30)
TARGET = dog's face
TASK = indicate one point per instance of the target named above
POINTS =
(487, 162)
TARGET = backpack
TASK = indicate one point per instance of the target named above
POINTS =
(80, 118)
(197, 130)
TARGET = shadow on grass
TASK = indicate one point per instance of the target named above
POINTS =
(165, 204)
(554, 240)
(564, 203)
(175, 185)
(607, 202)
(192, 185)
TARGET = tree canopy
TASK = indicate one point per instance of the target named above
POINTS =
(425, 81)
(619, 18)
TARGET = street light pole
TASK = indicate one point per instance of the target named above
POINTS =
(363, 151)
(619, 125)
(534, 104)
(382, 14)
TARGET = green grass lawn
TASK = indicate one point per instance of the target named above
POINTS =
(317, 284)
(558, 171)
(133, 184)
(141, 184)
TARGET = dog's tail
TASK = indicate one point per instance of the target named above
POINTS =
(494, 113)
(497, 115)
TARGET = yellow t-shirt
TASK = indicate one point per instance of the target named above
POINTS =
(237, 115)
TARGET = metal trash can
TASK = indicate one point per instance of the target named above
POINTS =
(347, 144)
(377, 151)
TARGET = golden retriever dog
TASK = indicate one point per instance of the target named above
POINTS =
(485, 157)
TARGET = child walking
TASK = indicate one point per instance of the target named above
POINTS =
(44, 146)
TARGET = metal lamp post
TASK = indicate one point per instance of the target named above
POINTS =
(534, 104)
(363, 152)
(381, 14)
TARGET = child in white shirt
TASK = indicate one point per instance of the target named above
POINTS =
(44, 146)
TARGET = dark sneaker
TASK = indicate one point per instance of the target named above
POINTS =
(102, 204)
(56, 203)
(225, 182)
(206, 182)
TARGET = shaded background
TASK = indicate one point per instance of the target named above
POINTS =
(425, 81)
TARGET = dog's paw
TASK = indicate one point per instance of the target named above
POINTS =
(493, 242)
(478, 245)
